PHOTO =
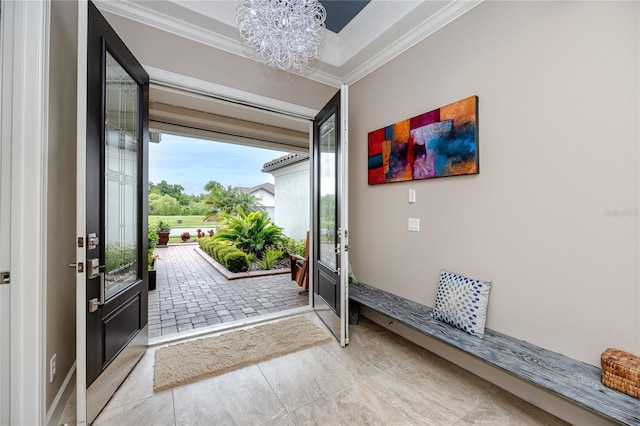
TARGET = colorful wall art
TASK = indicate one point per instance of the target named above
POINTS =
(442, 142)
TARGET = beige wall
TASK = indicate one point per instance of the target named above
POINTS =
(552, 218)
(61, 194)
(169, 52)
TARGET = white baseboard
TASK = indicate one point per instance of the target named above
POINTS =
(56, 409)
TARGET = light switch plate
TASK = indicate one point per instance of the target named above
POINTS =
(414, 224)
(412, 195)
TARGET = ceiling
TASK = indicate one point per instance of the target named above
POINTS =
(362, 35)
(341, 12)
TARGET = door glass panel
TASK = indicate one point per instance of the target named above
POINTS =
(121, 178)
(328, 192)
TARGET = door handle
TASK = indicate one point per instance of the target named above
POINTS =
(79, 266)
(95, 302)
(94, 272)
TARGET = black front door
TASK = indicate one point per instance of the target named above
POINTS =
(116, 219)
(330, 216)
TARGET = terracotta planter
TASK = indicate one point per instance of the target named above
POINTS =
(163, 238)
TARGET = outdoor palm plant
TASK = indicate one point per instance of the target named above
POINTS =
(250, 232)
(225, 201)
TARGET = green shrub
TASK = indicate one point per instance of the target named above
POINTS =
(208, 246)
(270, 258)
(152, 240)
(292, 246)
(236, 261)
(215, 248)
(221, 254)
(205, 244)
(251, 233)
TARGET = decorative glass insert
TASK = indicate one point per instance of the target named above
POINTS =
(327, 190)
(122, 136)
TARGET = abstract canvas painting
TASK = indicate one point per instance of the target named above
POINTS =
(442, 142)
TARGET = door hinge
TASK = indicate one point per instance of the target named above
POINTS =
(5, 277)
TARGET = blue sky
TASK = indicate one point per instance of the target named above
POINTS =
(194, 162)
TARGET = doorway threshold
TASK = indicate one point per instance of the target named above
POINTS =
(218, 328)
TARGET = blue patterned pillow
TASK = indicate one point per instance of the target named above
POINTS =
(462, 302)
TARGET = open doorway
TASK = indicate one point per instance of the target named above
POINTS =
(194, 292)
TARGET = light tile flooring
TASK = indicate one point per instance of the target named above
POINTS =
(380, 378)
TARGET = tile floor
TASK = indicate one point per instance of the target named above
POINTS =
(191, 294)
(380, 378)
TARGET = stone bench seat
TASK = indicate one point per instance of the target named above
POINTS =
(568, 378)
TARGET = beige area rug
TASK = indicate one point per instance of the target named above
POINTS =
(191, 361)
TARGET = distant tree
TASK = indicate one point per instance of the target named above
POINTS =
(194, 208)
(163, 205)
(173, 190)
(211, 185)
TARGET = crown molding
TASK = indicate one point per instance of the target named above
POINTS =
(171, 24)
(444, 16)
(174, 25)
(370, 24)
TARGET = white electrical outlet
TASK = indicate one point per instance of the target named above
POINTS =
(52, 368)
(414, 224)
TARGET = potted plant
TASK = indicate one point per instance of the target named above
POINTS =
(152, 238)
(162, 229)
(152, 271)
(185, 236)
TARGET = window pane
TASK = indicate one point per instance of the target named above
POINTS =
(121, 179)
(328, 192)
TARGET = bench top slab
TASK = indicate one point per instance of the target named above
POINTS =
(571, 379)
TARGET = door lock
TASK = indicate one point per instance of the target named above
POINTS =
(92, 241)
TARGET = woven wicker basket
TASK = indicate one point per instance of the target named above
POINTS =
(621, 371)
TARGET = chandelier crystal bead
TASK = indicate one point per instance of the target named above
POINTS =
(284, 34)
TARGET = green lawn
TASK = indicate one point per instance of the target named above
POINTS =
(187, 221)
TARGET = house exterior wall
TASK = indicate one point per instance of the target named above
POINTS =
(292, 199)
(267, 200)
(552, 218)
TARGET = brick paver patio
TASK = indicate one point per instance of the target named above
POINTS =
(191, 294)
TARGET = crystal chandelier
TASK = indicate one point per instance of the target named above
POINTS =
(284, 34)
